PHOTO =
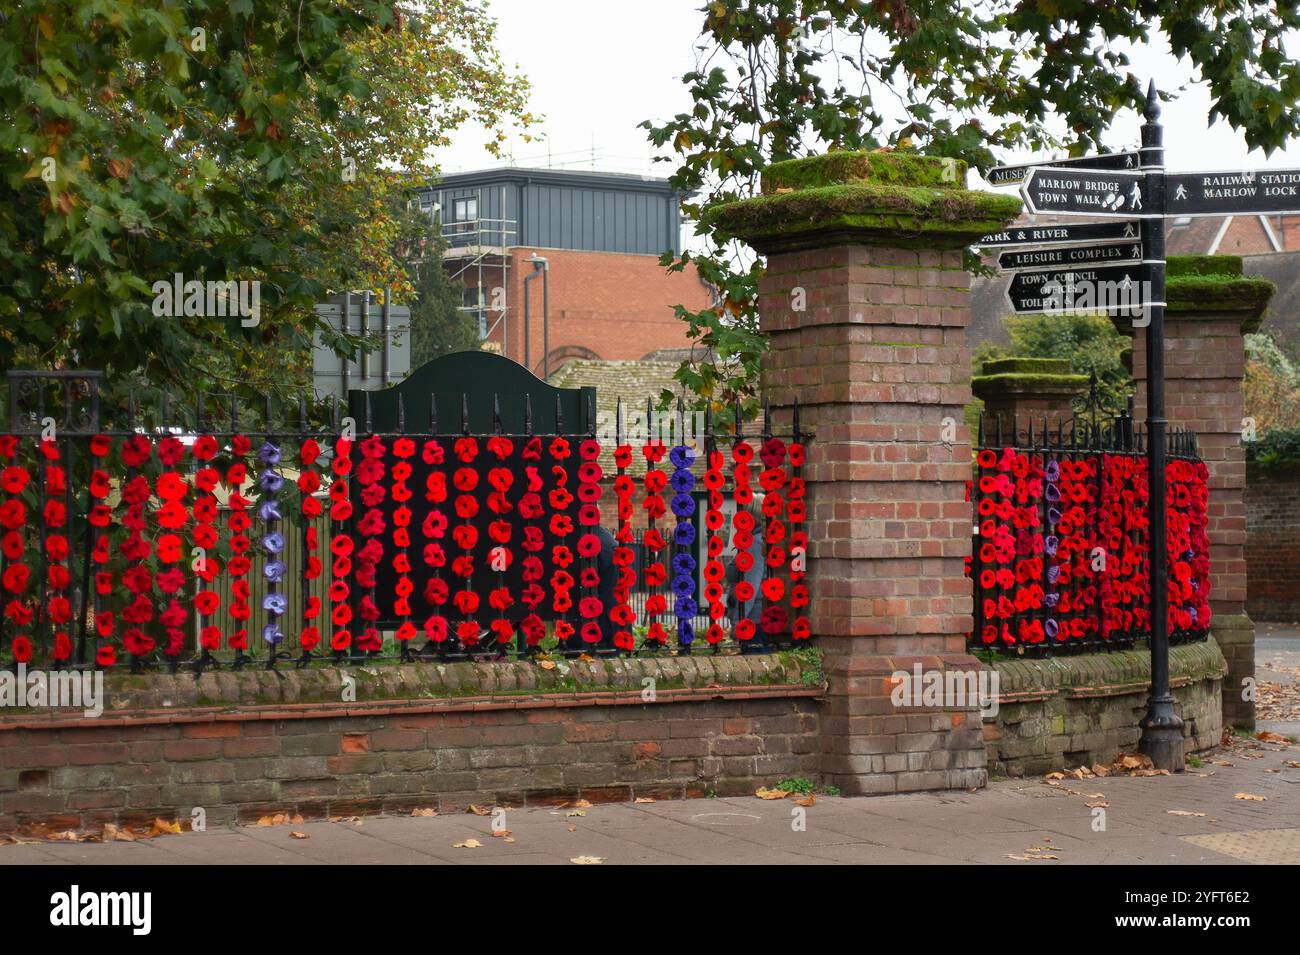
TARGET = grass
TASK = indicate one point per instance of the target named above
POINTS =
(803, 786)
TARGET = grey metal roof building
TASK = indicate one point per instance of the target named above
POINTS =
(556, 209)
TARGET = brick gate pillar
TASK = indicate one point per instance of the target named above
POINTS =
(865, 300)
(1211, 306)
(1019, 389)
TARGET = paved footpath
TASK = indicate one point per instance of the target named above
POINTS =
(1033, 819)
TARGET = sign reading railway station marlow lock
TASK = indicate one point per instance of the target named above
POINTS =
(1262, 192)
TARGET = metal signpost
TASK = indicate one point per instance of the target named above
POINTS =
(1117, 267)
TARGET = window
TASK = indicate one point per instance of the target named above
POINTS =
(464, 210)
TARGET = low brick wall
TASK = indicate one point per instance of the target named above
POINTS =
(1063, 712)
(1273, 545)
(242, 745)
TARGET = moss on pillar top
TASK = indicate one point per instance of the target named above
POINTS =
(874, 198)
(840, 167)
(1206, 286)
(1027, 385)
(1185, 265)
(1027, 366)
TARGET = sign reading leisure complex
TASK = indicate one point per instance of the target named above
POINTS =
(1070, 255)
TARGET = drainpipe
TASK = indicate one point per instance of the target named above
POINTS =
(540, 267)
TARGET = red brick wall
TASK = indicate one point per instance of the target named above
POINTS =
(1273, 547)
(605, 305)
(241, 769)
(1290, 232)
(243, 745)
(1245, 236)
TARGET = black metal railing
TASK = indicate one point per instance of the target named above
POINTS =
(112, 528)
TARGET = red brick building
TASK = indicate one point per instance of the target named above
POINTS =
(1231, 235)
(563, 264)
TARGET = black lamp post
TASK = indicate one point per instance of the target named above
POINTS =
(1162, 730)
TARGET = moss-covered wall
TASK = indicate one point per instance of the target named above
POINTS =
(1063, 712)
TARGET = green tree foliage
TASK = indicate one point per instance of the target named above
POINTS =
(1089, 342)
(780, 79)
(267, 140)
(1272, 384)
(438, 324)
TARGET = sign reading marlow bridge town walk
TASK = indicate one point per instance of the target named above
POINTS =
(1116, 266)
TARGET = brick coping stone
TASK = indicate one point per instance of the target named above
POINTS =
(131, 699)
(1105, 674)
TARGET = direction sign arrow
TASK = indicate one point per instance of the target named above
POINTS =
(1086, 192)
(1068, 255)
(1253, 192)
(1095, 290)
(1010, 175)
(1054, 234)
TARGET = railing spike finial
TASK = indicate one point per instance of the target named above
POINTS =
(735, 411)
(528, 414)
(618, 421)
(794, 421)
(266, 411)
(496, 413)
(334, 414)
(401, 414)
(130, 410)
(302, 415)
(559, 415)
(433, 413)
(369, 412)
(979, 425)
(464, 413)
(767, 418)
(591, 413)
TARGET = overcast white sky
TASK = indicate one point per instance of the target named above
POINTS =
(599, 67)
